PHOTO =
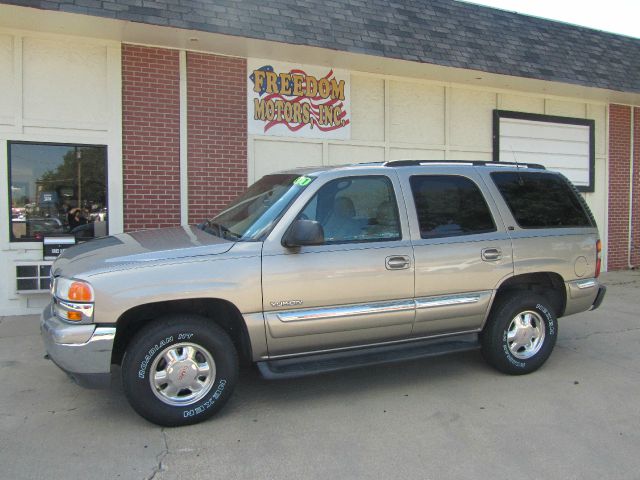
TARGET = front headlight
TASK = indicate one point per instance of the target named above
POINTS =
(73, 300)
(72, 290)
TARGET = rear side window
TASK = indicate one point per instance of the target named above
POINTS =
(450, 206)
(541, 200)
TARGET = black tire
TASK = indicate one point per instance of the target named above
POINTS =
(195, 343)
(506, 330)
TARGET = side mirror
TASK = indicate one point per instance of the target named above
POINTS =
(304, 232)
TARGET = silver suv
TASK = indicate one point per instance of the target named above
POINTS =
(320, 269)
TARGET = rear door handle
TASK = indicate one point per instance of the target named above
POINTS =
(398, 262)
(491, 254)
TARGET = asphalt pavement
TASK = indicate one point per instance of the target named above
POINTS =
(449, 417)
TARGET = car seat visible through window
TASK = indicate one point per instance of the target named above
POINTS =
(341, 224)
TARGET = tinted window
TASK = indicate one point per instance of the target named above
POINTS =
(541, 200)
(355, 209)
(449, 206)
(57, 189)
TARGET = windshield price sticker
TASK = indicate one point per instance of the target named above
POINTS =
(302, 181)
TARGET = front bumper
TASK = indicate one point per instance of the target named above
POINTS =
(82, 351)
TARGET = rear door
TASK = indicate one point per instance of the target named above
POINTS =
(461, 247)
(357, 288)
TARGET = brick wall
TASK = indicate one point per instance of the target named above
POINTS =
(217, 132)
(635, 249)
(151, 137)
(619, 164)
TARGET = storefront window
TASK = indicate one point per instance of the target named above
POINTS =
(57, 189)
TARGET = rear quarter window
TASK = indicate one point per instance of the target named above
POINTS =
(542, 200)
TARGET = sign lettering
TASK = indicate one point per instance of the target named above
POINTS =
(298, 101)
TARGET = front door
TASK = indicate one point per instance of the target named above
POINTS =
(357, 287)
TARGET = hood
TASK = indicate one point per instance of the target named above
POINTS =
(138, 248)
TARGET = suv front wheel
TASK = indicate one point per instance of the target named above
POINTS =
(179, 370)
(520, 333)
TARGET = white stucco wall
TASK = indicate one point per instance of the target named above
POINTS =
(63, 90)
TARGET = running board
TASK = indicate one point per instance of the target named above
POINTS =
(294, 367)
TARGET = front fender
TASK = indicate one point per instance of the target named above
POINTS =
(235, 279)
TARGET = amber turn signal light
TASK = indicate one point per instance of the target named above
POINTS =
(74, 316)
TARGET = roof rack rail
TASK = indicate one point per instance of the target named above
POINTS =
(475, 163)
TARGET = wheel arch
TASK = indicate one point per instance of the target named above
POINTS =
(549, 285)
(221, 312)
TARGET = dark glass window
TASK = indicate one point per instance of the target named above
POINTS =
(541, 200)
(33, 277)
(450, 206)
(57, 189)
(356, 209)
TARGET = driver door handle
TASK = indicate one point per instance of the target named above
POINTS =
(491, 254)
(398, 262)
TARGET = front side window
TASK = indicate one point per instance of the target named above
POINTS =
(450, 206)
(57, 189)
(355, 209)
(541, 200)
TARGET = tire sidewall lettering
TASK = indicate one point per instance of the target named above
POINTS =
(513, 361)
(210, 402)
(150, 355)
(551, 326)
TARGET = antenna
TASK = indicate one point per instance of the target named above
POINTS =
(515, 159)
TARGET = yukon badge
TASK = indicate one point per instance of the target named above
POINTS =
(286, 303)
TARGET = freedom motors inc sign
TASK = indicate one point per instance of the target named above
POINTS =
(298, 100)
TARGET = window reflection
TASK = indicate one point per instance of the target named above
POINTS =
(57, 189)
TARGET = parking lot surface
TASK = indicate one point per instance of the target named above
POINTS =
(437, 418)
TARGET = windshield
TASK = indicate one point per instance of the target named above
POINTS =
(252, 215)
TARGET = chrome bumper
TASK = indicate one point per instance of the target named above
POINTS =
(82, 351)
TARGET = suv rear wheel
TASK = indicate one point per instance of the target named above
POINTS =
(179, 370)
(520, 334)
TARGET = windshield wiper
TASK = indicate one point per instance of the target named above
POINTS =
(218, 230)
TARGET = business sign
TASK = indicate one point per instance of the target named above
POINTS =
(298, 100)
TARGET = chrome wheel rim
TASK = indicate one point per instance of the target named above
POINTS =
(182, 374)
(525, 335)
